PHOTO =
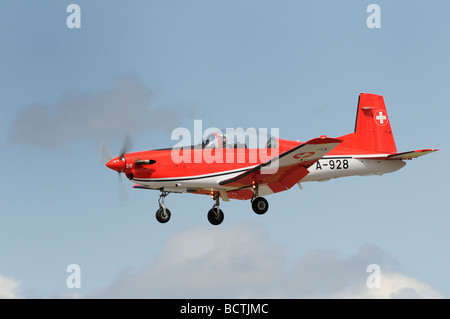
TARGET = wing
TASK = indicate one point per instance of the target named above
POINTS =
(282, 172)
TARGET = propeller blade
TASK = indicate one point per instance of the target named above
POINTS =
(123, 194)
(104, 154)
(127, 144)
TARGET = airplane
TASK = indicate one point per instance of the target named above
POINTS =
(226, 168)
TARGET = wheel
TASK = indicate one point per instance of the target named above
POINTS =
(260, 205)
(163, 216)
(214, 217)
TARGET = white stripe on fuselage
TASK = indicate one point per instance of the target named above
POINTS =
(326, 168)
(209, 181)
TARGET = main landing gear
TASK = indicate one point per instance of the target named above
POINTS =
(259, 204)
(215, 214)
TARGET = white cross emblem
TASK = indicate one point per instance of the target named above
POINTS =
(381, 118)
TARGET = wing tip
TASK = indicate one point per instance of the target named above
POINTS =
(323, 139)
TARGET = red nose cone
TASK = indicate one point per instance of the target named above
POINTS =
(116, 164)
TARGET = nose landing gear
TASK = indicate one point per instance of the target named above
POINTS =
(163, 213)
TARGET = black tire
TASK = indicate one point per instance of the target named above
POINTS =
(260, 205)
(161, 216)
(214, 217)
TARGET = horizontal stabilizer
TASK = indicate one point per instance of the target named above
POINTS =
(401, 156)
(411, 154)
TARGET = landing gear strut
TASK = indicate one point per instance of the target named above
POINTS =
(215, 214)
(163, 213)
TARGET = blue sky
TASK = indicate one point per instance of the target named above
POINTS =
(151, 66)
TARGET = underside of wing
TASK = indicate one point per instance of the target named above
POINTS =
(281, 172)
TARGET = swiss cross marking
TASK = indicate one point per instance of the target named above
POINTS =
(381, 118)
(303, 155)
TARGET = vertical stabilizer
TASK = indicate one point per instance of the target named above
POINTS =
(372, 128)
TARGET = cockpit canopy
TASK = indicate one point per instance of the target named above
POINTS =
(238, 138)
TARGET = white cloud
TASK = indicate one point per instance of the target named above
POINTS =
(393, 285)
(127, 106)
(9, 288)
(203, 262)
(240, 261)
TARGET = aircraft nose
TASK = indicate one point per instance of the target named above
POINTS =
(117, 164)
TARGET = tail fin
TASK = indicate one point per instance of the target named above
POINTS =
(372, 128)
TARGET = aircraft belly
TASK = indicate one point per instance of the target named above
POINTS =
(185, 183)
(329, 168)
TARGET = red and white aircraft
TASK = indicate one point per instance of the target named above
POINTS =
(236, 170)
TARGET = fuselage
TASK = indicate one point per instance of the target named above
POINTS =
(192, 168)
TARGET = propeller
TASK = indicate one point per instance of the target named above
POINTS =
(117, 163)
